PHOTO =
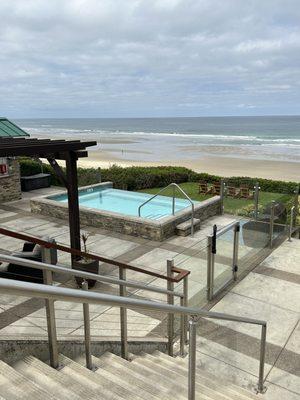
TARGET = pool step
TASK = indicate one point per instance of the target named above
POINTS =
(184, 229)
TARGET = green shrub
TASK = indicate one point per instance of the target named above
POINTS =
(138, 178)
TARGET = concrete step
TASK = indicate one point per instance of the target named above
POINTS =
(119, 369)
(233, 391)
(15, 386)
(104, 384)
(153, 376)
(169, 378)
(185, 228)
(51, 379)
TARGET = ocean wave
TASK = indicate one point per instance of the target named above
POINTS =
(251, 139)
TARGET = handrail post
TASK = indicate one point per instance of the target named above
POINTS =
(183, 317)
(291, 223)
(222, 195)
(182, 329)
(123, 317)
(170, 286)
(256, 199)
(235, 251)
(50, 313)
(173, 201)
(211, 251)
(272, 216)
(185, 303)
(192, 220)
(263, 341)
(192, 358)
(87, 329)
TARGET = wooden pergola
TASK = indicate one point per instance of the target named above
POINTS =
(52, 150)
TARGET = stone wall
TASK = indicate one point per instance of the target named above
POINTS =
(142, 227)
(10, 185)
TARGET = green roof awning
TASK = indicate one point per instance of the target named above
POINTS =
(9, 129)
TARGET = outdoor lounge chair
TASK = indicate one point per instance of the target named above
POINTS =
(203, 188)
(30, 251)
(244, 192)
(216, 188)
(231, 191)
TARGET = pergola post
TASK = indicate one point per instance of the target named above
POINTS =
(73, 203)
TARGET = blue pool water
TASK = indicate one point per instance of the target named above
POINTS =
(124, 202)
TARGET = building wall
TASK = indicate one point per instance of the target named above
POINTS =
(10, 185)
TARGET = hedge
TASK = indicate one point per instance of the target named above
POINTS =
(136, 178)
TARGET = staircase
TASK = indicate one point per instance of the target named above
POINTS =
(148, 376)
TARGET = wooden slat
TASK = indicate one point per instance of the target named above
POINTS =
(41, 148)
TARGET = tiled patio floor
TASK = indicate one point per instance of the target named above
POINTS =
(270, 292)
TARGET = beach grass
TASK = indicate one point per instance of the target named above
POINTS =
(231, 205)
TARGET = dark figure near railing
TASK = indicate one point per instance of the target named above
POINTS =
(30, 251)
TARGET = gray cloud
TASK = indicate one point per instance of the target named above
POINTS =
(149, 58)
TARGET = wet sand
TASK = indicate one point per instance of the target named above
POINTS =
(224, 166)
(247, 161)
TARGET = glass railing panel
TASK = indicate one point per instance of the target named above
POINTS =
(223, 260)
(194, 259)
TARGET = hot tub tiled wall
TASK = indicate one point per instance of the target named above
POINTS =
(150, 229)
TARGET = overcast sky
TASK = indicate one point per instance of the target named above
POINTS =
(135, 58)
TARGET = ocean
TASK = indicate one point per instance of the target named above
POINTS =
(158, 139)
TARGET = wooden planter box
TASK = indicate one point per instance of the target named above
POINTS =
(91, 266)
(33, 182)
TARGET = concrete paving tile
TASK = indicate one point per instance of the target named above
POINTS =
(156, 259)
(293, 343)
(50, 229)
(285, 258)
(270, 290)
(285, 380)
(23, 223)
(231, 357)
(8, 301)
(111, 247)
(277, 331)
(23, 326)
(6, 214)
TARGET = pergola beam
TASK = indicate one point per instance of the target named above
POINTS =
(54, 150)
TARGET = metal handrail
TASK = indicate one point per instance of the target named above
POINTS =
(51, 245)
(173, 202)
(52, 293)
(291, 223)
(85, 275)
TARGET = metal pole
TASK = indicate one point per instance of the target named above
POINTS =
(272, 223)
(211, 251)
(123, 317)
(263, 341)
(235, 251)
(192, 359)
(296, 204)
(192, 220)
(185, 301)
(87, 329)
(210, 261)
(291, 223)
(170, 286)
(222, 195)
(182, 329)
(256, 199)
(173, 201)
(50, 313)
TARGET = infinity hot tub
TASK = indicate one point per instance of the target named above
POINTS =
(105, 207)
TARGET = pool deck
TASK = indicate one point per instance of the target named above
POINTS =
(270, 292)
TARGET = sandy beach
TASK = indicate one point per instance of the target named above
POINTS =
(224, 166)
(264, 161)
